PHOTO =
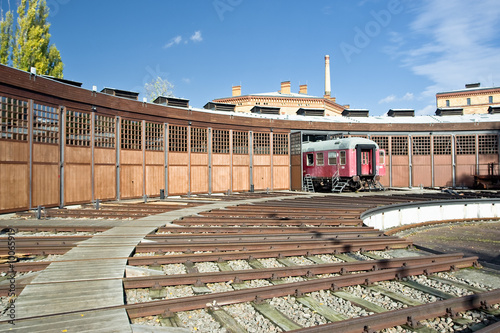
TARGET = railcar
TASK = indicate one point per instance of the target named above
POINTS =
(343, 164)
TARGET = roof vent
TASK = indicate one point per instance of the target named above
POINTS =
(401, 113)
(472, 85)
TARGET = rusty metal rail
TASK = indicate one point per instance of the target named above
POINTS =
(296, 288)
(281, 272)
(410, 316)
(176, 231)
(336, 243)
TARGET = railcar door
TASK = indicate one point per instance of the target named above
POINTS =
(366, 161)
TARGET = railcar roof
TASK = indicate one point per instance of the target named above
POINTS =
(346, 143)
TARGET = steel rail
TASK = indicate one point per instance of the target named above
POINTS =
(191, 238)
(56, 229)
(258, 254)
(267, 245)
(296, 288)
(281, 272)
(268, 222)
(176, 231)
(412, 315)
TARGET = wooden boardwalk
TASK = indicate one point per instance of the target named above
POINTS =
(76, 296)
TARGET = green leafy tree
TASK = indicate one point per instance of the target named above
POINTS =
(30, 42)
(6, 35)
(158, 87)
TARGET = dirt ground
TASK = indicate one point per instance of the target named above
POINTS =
(480, 239)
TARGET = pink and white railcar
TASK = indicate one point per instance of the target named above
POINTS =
(356, 162)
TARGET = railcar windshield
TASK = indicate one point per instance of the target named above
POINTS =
(310, 159)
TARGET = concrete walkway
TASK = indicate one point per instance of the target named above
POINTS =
(72, 296)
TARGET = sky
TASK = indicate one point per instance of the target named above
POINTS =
(384, 55)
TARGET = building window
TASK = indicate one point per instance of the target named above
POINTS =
(220, 141)
(240, 143)
(131, 134)
(105, 128)
(261, 143)
(447, 102)
(177, 138)
(421, 145)
(14, 124)
(295, 143)
(442, 145)
(77, 128)
(488, 144)
(490, 99)
(382, 142)
(399, 145)
(465, 145)
(468, 101)
(199, 140)
(280, 144)
(45, 124)
(332, 158)
(320, 159)
(154, 136)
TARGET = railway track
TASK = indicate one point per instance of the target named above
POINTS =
(292, 265)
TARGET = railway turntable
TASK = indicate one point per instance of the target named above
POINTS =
(275, 262)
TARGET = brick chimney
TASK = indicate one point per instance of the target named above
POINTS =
(236, 90)
(303, 89)
(328, 89)
(285, 87)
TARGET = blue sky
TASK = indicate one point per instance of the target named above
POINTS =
(384, 54)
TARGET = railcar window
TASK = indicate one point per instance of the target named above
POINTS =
(320, 159)
(199, 140)
(45, 124)
(381, 158)
(14, 124)
(154, 136)
(310, 159)
(342, 157)
(131, 134)
(77, 128)
(220, 141)
(332, 158)
(240, 142)
(105, 129)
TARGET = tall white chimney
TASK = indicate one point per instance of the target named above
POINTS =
(328, 89)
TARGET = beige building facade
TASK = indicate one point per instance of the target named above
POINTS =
(474, 99)
(284, 102)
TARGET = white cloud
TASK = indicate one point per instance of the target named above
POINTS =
(174, 41)
(186, 80)
(429, 110)
(408, 97)
(388, 99)
(196, 37)
(459, 46)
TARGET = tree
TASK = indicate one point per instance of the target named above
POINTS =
(6, 35)
(30, 42)
(158, 87)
